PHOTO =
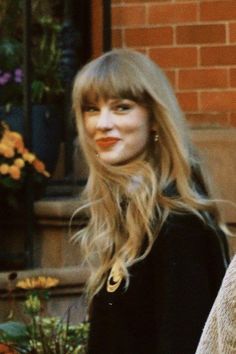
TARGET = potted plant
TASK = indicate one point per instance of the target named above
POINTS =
(41, 333)
(46, 89)
(17, 164)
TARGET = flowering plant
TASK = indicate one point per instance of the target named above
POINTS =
(45, 55)
(16, 164)
(42, 334)
(11, 74)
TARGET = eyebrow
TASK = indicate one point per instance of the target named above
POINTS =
(109, 101)
(116, 100)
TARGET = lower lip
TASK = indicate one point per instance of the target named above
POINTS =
(106, 143)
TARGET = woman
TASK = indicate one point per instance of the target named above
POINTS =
(219, 334)
(152, 240)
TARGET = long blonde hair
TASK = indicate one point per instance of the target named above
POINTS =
(127, 205)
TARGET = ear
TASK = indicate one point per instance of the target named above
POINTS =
(153, 127)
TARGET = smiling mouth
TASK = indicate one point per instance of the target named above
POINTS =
(106, 142)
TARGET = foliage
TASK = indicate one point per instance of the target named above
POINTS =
(42, 334)
(17, 164)
(45, 56)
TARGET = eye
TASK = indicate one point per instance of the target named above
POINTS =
(90, 108)
(122, 107)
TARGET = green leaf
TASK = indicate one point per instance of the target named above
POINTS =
(38, 88)
(11, 53)
(14, 330)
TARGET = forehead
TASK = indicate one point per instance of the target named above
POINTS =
(107, 92)
(109, 83)
(95, 98)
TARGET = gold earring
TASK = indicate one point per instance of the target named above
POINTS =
(115, 278)
(156, 137)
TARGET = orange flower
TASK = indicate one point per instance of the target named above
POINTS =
(40, 282)
(46, 174)
(29, 157)
(4, 169)
(17, 141)
(6, 151)
(19, 145)
(6, 142)
(15, 136)
(12, 147)
(6, 349)
(19, 163)
(14, 172)
(12, 137)
(25, 151)
(40, 167)
(9, 152)
(2, 148)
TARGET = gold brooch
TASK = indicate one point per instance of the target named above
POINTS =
(114, 279)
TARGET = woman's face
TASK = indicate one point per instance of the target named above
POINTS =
(118, 128)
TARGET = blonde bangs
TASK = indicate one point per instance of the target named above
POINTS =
(109, 79)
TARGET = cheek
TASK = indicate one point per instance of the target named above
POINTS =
(139, 132)
(142, 138)
(137, 140)
(89, 126)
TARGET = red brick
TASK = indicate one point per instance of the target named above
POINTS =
(171, 74)
(233, 119)
(143, 1)
(96, 29)
(172, 13)
(233, 77)
(128, 15)
(148, 36)
(116, 38)
(208, 119)
(188, 101)
(218, 101)
(221, 55)
(232, 32)
(174, 57)
(200, 34)
(202, 78)
(218, 10)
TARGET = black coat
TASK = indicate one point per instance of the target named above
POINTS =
(169, 297)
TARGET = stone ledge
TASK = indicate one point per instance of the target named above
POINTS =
(56, 208)
(68, 276)
(67, 296)
(217, 149)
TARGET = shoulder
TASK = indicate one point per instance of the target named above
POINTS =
(181, 237)
(188, 233)
(190, 226)
(228, 287)
(226, 299)
(185, 226)
(220, 329)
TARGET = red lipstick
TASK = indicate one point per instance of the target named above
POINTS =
(106, 142)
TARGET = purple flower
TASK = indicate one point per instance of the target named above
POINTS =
(18, 75)
(18, 72)
(2, 81)
(5, 78)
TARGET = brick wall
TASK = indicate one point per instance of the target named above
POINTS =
(194, 41)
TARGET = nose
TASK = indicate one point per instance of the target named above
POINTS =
(105, 121)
